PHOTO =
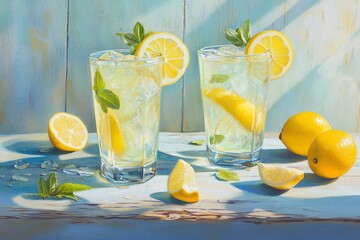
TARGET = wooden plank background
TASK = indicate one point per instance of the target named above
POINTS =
(44, 48)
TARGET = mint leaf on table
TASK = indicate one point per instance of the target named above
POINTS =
(239, 37)
(219, 78)
(216, 139)
(227, 175)
(104, 97)
(42, 188)
(67, 190)
(50, 188)
(134, 39)
(197, 142)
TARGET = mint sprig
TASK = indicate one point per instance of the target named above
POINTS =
(219, 78)
(134, 39)
(104, 97)
(216, 139)
(50, 188)
(239, 37)
(226, 175)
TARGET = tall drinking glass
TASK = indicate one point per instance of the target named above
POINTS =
(234, 87)
(126, 96)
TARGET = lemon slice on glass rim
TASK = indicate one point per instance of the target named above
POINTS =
(174, 52)
(279, 46)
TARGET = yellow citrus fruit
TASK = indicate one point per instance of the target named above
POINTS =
(279, 177)
(332, 154)
(242, 110)
(279, 46)
(301, 129)
(181, 182)
(67, 132)
(174, 52)
(111, 134)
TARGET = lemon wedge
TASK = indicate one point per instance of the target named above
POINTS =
(181, 182)
(279, 177)
(242, 110)
(280, 47)
(112, 137)
(174, 52)
(67, 132)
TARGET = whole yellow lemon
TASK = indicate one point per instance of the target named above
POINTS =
(332, 154)
(301, 129)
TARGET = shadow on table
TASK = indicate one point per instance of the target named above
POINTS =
(280, 156)
(32, 147)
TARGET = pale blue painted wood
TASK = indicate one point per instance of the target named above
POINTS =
(33, 86)
(32, 63)
(92, 27)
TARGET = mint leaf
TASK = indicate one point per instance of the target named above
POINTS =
(227, 175)
(241, 36)
(216, 139)
(245, 31)
(67, 195)
(51, 183)
(219, 78)
(139, 32)
(134, 39)
(42, 188)
(108, 99)
(67, 190)
(128, 38)
(50, 188)
(99, 83)
(101, 103)
(234, 37)
(197, 142)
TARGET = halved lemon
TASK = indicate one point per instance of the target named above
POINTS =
(279, 177)
(67, 132)
(175, 54)
(280, 47)
(181, 182)
(242, 110)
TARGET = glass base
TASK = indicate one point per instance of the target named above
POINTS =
(136, 174)
(238, 160)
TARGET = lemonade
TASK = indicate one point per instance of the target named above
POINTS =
(234, 89)
(126, 96)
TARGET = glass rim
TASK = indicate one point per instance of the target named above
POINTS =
(96, 55)
(205, 51)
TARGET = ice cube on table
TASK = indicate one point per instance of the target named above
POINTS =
(112, 55)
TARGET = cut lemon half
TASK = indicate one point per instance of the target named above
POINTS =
(282, 178)
(67, 132)
(112, 137)
(242, 110)
(174, 52)
(181, 182)
(279, 46)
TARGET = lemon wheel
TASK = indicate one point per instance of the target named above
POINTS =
(174, 52)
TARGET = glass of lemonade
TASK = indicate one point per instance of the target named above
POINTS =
(126, 96)
(234, 86)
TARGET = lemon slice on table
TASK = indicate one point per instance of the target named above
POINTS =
(279, 46)
(279, 177)
(242, 110)
(174, 52)
(115, 140)
(67, 132)
(181, 182)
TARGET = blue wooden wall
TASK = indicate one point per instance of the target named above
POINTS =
(44, 48)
